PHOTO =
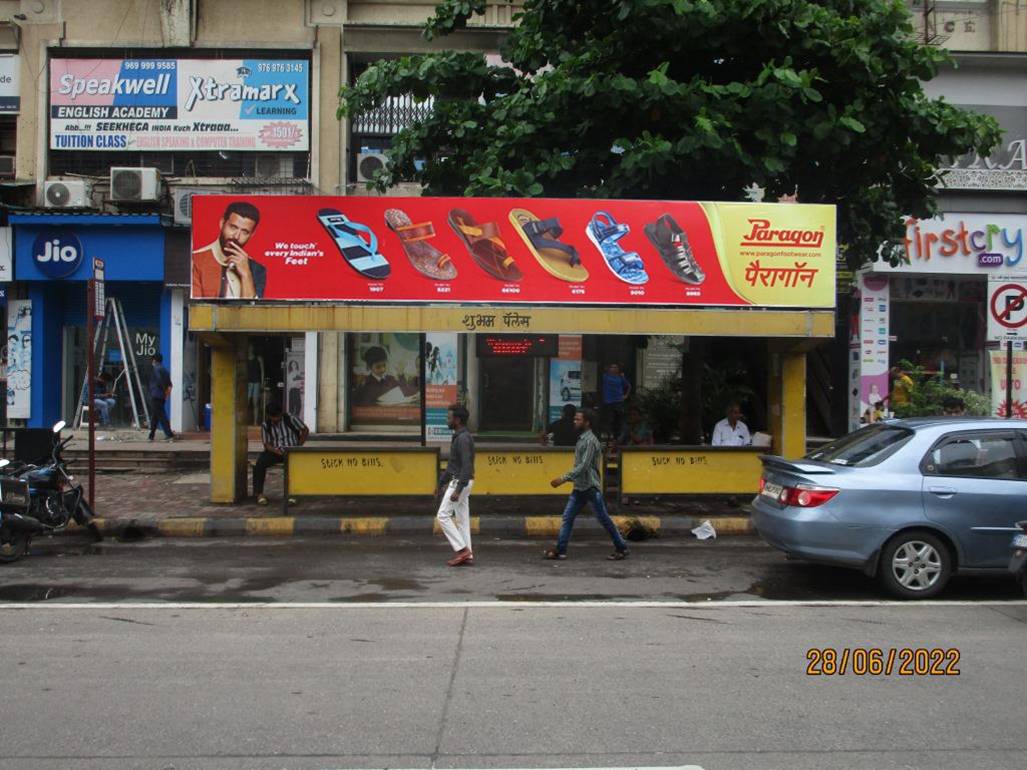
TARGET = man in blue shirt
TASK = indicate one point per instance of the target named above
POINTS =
(615, 391)
(159, 392)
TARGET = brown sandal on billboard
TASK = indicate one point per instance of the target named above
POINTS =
(425, 258)
(485, 246)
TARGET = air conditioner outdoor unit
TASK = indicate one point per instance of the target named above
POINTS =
(273, 166)
(66, 194)
(135, 184)
(368, 163)
(183, 199)
(6, 167)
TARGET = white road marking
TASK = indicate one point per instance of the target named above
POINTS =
(496, 605)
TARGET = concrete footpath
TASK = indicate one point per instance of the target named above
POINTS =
(140, 504)
(155, 489)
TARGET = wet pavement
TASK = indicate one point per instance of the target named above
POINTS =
(392, 569)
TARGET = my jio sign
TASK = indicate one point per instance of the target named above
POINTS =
(57, 254)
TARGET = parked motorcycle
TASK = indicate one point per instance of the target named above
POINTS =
(37, 500)
(1018, 561)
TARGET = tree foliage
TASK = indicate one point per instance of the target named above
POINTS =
(688, 100)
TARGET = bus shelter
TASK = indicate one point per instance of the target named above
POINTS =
(510, 273)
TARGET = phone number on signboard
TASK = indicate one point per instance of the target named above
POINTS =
(283, 66)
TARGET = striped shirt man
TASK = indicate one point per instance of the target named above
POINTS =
(282, 434)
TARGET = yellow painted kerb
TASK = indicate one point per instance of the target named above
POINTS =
(365, 525)
(273, 525)
(187, 527)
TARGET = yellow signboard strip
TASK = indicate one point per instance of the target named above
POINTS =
(722, 322)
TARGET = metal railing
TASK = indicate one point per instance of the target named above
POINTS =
(397, 113)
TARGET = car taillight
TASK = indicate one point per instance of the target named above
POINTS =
(807, 497)
(763, 483)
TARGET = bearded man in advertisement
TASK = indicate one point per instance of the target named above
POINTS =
(223, 269)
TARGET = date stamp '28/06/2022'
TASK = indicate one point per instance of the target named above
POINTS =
(880, 661)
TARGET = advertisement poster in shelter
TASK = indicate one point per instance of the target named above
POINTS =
(502, 250)
(441, 372)
(565, 375)
(385, 380)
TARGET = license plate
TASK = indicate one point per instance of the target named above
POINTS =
(773, 491)
(1019, 541)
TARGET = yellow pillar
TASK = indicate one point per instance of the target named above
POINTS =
(793, 404)
(786, 393)
(228, 442)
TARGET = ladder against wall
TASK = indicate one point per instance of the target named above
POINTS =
(114, 321)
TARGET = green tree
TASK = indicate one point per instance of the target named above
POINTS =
(686, 100)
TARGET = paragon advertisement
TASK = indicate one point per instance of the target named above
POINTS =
(502, 250)
(179, 104)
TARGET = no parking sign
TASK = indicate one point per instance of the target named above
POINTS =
(1007, 308)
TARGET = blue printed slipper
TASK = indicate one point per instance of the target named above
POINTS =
(604, 232)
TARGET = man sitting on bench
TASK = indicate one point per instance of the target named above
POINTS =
(278, 432)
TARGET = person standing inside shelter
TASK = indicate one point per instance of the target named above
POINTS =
(159, 392)
(455, 508)
(615, 390)
(588, 490)
(279, 432)
(731, 431)
(562, 432)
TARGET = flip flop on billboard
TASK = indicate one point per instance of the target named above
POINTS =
(485, 246)
(604, 231)
(362, 255)
(540, 236)
(425, 258)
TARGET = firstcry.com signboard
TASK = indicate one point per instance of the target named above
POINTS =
(505, 250)
(179, 104)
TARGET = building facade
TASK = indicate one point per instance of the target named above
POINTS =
(932, 311)
(88, 156)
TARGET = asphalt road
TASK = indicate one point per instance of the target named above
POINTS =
(125, 656)
(391, 569)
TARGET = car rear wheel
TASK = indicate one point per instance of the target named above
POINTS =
(915, 565)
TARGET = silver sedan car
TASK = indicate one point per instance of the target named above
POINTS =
(911, 501)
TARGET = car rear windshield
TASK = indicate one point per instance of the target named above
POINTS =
(865, 447)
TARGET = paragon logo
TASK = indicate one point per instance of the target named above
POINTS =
(762, 234)
(57, 254)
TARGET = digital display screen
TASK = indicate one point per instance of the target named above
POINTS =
(530, 345)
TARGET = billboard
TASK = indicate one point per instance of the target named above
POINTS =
(168, 105)
(503, 250)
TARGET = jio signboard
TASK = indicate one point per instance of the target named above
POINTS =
(57, 254)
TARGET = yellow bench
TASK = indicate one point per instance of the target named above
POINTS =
(327, 472)
(690, 470)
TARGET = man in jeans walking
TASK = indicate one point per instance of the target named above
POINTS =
(455, 509)
(159, 392)
(588, 454)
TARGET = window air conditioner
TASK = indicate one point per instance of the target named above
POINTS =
(368, 163)
(66, 194)
(135, 184)
(6, 167)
